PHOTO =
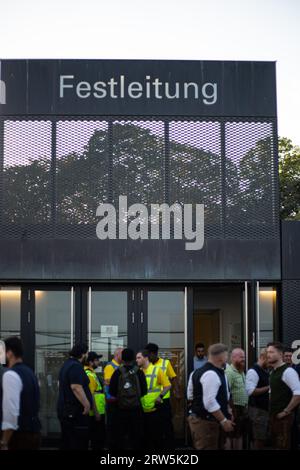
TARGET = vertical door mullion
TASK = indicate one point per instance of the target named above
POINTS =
(142, 339)
(28, 324)
(89, 318)
(72, 312)
(246, 323)
(252, 319)
(257, 318)
(189, 333)
(132, 316)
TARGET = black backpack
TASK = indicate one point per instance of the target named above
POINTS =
(129, 390)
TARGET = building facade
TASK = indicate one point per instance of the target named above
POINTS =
(78, 134)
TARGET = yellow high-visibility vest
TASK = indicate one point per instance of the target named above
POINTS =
(163, 367)
(153, 389)
(98, 395)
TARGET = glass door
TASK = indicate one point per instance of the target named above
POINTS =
(111, 320)
(54, 334)
(166, 319)
(266, 313)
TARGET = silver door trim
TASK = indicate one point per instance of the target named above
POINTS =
(72, 317)
(90, 318)
(246, 322)
(257, 318)
(185, 336)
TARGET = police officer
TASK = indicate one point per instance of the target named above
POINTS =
(97, 411)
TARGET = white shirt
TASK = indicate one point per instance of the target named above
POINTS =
(211, 383)
(190, 388)
(252, 380)
(12, 387)
(291, 379)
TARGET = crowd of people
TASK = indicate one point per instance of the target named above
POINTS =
(129, 407)
(230, 408)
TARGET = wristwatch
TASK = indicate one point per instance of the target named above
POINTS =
(223, 421)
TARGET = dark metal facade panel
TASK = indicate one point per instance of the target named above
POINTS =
(290, 249)
(162, 87)
(290, 310)
(135, 260)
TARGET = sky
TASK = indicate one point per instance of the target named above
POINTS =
(163, 29)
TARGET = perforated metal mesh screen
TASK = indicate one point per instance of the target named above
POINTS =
(196, 169)
(55, 173)
(26, 179)
(291, 310)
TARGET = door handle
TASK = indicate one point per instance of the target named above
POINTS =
(132, 318)
(142, 317)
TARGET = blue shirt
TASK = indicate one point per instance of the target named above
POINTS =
(199, 362)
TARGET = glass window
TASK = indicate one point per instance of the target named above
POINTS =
(267, 308)
(10, 308)
(53, 342)
(166, 328)
(108, 322)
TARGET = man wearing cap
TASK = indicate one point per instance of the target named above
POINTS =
(97, 412)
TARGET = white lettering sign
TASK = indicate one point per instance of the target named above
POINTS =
(150, 88)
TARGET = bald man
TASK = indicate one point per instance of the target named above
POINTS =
(239, 398)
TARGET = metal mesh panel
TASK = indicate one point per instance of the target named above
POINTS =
(55, 174)
(291, 310)
(195, 169)
(138, 161)
(26, 195)
(82, 168)
(251, 205)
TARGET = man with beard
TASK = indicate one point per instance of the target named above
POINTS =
(237, 385)
(200, 358)
(74, 400)
(284, 398)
